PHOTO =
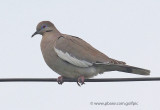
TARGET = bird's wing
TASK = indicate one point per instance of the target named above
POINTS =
(78, 52)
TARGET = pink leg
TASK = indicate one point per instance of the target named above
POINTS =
(60, 80)
(80, 80)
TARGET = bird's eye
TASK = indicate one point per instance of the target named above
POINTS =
(44, 26)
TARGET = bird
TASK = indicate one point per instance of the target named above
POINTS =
(72, 57)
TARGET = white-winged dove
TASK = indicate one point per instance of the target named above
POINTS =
(72, 57)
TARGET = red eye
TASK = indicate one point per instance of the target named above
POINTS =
(43, 26)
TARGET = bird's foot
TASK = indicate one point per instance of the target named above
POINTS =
(60, 80)
(80, 80)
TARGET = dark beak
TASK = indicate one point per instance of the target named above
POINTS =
(34, 34)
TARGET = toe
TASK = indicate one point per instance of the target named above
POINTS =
(60, 80)
(80, 80)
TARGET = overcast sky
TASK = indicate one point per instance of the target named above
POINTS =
(127, 30)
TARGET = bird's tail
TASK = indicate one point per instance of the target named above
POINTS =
(124, 68)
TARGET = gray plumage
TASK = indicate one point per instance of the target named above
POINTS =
(72, 57)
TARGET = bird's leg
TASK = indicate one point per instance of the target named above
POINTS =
(60, 80)
(80, 80)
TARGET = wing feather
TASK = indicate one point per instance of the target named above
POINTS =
(67, 57)
(78, 52)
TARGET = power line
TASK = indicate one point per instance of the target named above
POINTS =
(75, 80)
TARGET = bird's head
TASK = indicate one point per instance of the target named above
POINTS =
(43, 27)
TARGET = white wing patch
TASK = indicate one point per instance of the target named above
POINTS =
(67, 57)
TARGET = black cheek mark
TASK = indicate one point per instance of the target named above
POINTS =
(49, 31)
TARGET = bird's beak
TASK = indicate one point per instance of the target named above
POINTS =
(35, 33)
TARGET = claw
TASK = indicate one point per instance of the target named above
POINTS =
(80, 80)
(60, 80)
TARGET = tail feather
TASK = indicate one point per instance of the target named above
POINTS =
(134, 70)
(124, 68)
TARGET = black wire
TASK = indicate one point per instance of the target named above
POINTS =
(75, 80)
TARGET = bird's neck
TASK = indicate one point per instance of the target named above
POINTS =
(49, 37)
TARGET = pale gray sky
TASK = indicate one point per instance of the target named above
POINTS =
(127, 30)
